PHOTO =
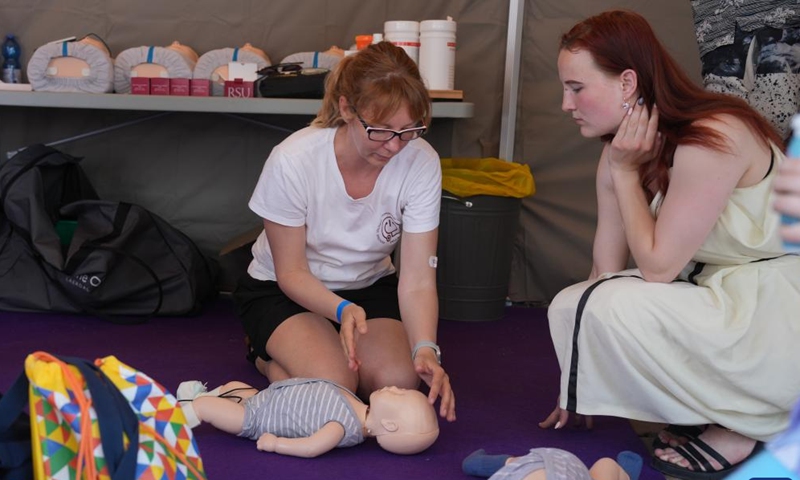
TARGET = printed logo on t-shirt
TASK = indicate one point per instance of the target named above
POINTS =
(389, 229)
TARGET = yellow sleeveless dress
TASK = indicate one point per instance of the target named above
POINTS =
(724, 349)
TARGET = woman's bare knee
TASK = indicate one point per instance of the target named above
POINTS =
(272, 370)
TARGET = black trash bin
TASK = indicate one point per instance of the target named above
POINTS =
(476, 239)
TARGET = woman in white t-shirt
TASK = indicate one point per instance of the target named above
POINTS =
(322, 298)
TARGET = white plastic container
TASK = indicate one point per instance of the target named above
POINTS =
(404, 34)
(437, 53)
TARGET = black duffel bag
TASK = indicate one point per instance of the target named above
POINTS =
(64, 250)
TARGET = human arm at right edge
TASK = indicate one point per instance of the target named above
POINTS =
(787, 197)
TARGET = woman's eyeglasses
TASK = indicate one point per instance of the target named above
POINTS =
(386, 134)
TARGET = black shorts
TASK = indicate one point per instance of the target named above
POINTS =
(262, 306)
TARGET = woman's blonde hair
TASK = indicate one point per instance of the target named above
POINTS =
(378, 79)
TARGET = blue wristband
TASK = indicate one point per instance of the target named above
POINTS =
(339, 309)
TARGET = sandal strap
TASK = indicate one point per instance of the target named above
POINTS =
(691, 455)
(712, 453)
(688, 431)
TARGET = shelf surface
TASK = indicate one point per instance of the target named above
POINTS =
(118, 101)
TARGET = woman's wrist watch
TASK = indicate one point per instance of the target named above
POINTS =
(426, 343)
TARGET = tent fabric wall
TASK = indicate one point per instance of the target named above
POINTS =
(197, 169)
(553, 247)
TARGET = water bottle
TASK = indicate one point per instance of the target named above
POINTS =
(12, 69)
(792, 155)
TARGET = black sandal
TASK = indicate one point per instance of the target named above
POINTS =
(702, 469)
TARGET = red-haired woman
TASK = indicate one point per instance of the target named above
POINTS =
(704, 332)
(322, 298)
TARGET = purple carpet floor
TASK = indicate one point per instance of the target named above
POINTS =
(504, 375)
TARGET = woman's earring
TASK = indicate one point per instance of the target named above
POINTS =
(626, 106)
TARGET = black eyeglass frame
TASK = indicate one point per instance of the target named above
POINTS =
(415, 132)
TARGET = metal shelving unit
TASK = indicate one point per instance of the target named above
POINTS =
(112, 101)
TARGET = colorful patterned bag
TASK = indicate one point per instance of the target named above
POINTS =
(105, 421)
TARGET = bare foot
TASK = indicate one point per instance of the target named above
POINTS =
(731, 446)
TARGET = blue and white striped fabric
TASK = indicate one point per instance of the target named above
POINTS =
(298, 407)
(558, 465)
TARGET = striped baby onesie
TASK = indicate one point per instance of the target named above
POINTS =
(297, 408)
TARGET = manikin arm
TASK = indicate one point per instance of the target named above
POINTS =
(323, 440)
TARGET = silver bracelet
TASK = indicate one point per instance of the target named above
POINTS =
(429, 344)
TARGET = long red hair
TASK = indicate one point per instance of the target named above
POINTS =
(619, 40)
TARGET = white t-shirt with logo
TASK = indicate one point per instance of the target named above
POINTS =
(348, 241)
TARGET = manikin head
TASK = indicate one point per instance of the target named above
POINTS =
(334, 50)
(255, 50)
(96, 42)
(187, 52)
(74, 67)
(402, 420)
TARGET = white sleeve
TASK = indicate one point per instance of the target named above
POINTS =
(280, 195)
(421, 212)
